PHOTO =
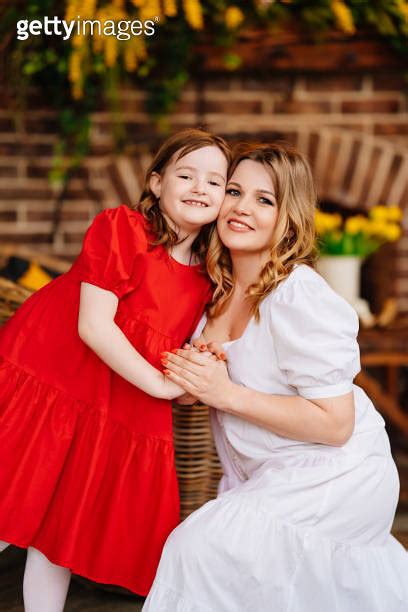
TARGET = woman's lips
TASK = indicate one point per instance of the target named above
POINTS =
(238, 226)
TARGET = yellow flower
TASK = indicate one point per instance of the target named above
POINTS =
(130, 58)
(344, 17)
(402, 6)
(88, 9)
(376, 227)
(150, 9)
(110, 51)
(394, 213)
(73, 10)
(194, 14)
(355, 225)
(392, 232)
(170, 8)
(379, 212)
(327, 222)
(74, 72)
(233, 17)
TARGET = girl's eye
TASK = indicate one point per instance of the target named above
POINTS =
(184, 176)
(233, 192)
(214, 183)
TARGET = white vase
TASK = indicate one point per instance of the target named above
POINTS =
(343, 273)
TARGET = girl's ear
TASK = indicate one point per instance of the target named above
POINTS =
(155, 184)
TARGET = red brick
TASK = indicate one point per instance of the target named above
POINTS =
(232, 107)
(300, 107)
(66, 215)
(43, 238)
(8, 171)
(73, 237)
(186, 106)
(41, 125)
(335, 82)
(29, 149)
(25, 193)
(391, 129)
(43, 171)
(7, 125)
(278, 84)
(132, 106)
(389, 81)
(8, 215)
(370, 106)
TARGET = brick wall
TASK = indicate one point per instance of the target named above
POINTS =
(312, 110)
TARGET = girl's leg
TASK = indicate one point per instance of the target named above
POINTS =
(45, 585)
(3, 545)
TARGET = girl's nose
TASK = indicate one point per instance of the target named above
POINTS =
(199, 185)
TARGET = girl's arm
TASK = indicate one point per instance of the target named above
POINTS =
(326, 421)
(96, 327)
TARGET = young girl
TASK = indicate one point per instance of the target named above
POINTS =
(87, 475)
(302, 522)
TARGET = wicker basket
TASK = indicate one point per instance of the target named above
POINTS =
(197, 464)
(11, 297)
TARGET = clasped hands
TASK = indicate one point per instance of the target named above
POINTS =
(200, 370)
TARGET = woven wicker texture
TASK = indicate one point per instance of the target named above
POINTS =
(197, 464)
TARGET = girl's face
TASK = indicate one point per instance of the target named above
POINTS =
(191, 189)
(249, 213)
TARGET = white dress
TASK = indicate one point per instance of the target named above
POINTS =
(296, 527)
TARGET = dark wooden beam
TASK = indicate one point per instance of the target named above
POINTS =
(291, 50)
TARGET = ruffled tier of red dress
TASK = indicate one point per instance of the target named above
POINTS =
(79, 481)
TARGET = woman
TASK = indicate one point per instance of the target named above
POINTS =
(303, 519)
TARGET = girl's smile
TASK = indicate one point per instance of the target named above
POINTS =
(191, 188)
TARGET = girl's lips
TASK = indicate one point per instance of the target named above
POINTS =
(197, 203)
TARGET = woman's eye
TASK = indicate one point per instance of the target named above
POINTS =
(266, 201)
(234, 192)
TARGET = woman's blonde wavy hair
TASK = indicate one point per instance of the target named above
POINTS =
(181, 143)
(293, 240)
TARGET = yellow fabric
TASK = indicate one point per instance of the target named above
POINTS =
(34, 278)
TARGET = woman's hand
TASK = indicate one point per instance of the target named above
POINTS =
(186, 399)
(199, 374)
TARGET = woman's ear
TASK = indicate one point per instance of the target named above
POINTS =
(155, 184)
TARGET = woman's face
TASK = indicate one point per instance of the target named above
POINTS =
(249, 213)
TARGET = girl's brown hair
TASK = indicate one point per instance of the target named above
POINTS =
(294, 236)
(181, 143)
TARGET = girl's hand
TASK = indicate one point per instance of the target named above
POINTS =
(199, 374)
(168, 389)
(215, 348)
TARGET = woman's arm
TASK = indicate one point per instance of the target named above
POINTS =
(96, 327)
(326, 421)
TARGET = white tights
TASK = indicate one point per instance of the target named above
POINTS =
(45, 585)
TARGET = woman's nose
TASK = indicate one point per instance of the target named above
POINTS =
(242, 206)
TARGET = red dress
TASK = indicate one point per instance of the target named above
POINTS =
(87, 471)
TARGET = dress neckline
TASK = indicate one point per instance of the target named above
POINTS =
(178, 263)
(228, 343)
